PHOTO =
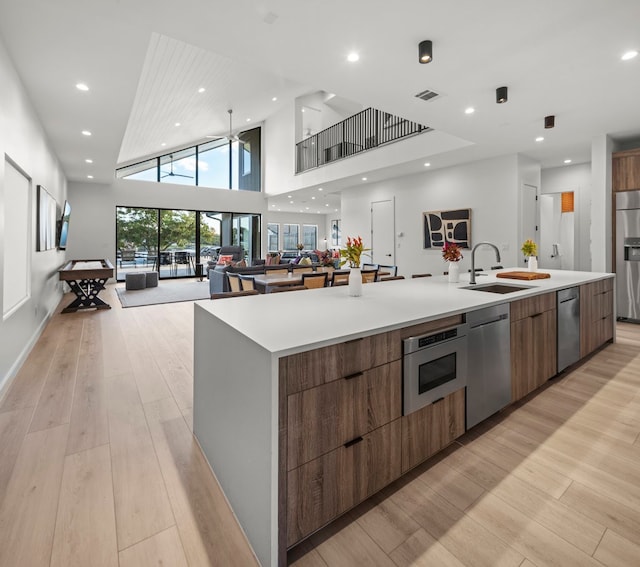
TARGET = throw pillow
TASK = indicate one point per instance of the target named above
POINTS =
(240, 264)
(225, 259)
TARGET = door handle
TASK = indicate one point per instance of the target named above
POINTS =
(388, 255)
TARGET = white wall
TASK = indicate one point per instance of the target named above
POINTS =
(23, 140)
(576, 178)
(489, 188)
(601, 220)
(92, 231)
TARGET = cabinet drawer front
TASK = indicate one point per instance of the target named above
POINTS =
(532, 306)
(426, 431)
(321, 490)
(323, 418)
(424, 328)
(319, 366)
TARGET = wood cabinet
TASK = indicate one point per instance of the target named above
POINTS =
(341, 427)
(596, 315)
(322, 489)
(626, 170)
(325, 417)
(430, 429)
(533, 343)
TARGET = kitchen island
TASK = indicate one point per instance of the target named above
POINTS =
(268, 368)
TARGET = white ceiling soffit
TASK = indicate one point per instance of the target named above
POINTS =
(168, 94)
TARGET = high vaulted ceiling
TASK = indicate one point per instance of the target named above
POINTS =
(145, 59)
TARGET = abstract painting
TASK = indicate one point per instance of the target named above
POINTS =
(335, 232)
(46, 220)
(447, 226)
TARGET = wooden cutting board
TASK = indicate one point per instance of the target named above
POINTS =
(524, 275)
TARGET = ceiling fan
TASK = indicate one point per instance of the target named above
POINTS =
(231, 137)
(170, 173)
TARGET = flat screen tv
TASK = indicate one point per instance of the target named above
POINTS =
(64, 226)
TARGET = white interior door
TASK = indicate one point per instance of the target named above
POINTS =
(383, 232)
(528, 218)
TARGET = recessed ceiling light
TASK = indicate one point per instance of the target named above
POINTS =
(248, 119)
(307, 208)
(291, 202)
(469, 110)
(629, 55)
(336, 210)
(201, 89)
(301, 210)
(327, 205)
(427, 164)
(364, 179)
(540, 139)
(88, 160)
(273, 99)
(353, 57)
(163, 144)
(312, 197)
(273, 205)
(177, 123)
(303, 110)
(319, 188)
(279, 209)
(86, 133)
(89, 176)
(82, 87)
(567, 161)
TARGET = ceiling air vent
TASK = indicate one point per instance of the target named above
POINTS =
(427, 95)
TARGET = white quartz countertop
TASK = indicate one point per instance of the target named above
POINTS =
(286, 323)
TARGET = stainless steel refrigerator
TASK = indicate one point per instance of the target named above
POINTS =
(628, 254)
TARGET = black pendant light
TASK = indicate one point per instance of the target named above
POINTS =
(549, 121)
(501, 95)
(425, 51)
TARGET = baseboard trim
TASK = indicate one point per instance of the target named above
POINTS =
(7, 379)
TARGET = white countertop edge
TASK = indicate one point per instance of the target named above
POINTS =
(245, 314)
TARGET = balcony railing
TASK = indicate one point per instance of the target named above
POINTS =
(364, 131)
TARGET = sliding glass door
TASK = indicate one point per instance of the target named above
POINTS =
(173, 242)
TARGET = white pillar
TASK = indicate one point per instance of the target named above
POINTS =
(601, 196)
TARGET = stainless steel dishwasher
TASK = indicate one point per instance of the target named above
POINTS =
(489, 375)
(568, 327)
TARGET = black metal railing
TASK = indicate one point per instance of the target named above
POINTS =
(364, 131)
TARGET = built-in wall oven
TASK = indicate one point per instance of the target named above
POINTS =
(434, 366)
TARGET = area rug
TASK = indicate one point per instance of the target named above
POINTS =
(166, 292)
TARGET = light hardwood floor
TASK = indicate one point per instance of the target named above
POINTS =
(99, 466)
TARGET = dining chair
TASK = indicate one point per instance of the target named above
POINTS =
(393, 270)
(314, 280)
(228, 294)
(301, 269)
(247, 282)
(278, 271)
(340, 277)
(234, 282)
(369, 267)
(369, 276)
(421, 275)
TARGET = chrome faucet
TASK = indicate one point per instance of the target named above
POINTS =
(472, 278)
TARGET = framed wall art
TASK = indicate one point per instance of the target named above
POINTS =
(447, 226)
(46, 220)
(335, 232)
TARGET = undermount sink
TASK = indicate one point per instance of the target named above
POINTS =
(498, 287)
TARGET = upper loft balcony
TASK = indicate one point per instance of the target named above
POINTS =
(361, 132)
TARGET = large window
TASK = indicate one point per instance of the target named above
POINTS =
(173, 242)
(223, 163)
(310, 236)
(290, 236)
(273, 236)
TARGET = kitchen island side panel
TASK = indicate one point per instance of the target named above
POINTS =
(236, 424)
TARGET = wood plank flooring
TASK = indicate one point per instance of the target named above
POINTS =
(99, 466)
